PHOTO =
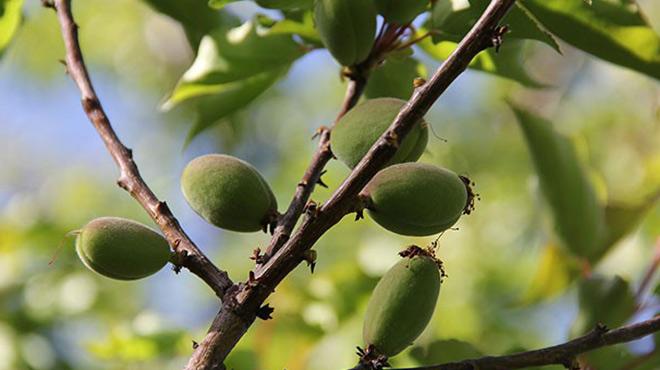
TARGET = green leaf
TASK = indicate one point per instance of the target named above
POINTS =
(613, 30)
(303, 28)
(613, 357)
(606, 300)
(233, 67)
(621, 219)
(195, 16)
(507, 63)
(229, 55)
(285, 4)
(10, 20)
(442, 351)
(555, 271)
(215, 102)
(394, 78)
(452, 25)
(578, 215)
(219, 4)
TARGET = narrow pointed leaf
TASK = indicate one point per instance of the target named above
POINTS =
(613, 30)
(452, 25)
(578, 216)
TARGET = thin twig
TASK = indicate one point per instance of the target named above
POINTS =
(313, 173)
(562, 354)
(235, 318)
(129, 179)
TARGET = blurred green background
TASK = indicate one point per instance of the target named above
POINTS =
(56, 175)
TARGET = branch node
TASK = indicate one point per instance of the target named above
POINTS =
(370, 359)
(264, 312)
(310, 257)
(48, 4)
(90, 104)
(312, 209)
(496, 37)
(257, 257)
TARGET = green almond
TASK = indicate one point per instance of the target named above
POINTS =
(121, 249)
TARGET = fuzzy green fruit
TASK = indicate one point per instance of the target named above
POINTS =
(417, 199)
(402, 304)
(361, 127)
(401, 11)
(228, 193)
(121, 249)
(285, 4)
(347, 28)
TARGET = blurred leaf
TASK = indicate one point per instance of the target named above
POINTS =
(230, 55)
(285, 4)
(131, 347)
(578, 217)
(195, 16)
(452, 25)
(303, 28)
(10, 20)
(621, 219)
(507, 63)
(442, 351)
(219, 4)
(556, 269)
(233, 67)
(241, 359)
(613, 30)
(215, 102)
(606, 300)
(612, 357)
(394, 78)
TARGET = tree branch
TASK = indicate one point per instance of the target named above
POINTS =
(562, 354)
(313, 173)
(239, 312)
(129, 179)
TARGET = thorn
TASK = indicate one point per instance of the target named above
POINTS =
(418, 82)
(252, 280)
(310, 257)
(601, 328)
(257, 256)
(319, 131)
(195, 344)
(264, 312)
(48, 4)
(497, 37)
(359, 215)
(320, 180)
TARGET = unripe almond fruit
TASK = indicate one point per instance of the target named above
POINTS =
(361, 127)
(228, 193)
(347, 28)
(401, 11)
(417, 199)
(402, 303)
(121, 249)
